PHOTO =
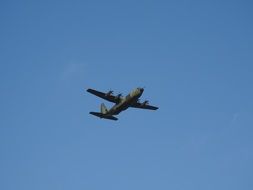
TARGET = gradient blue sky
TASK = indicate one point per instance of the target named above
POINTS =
(195, 59)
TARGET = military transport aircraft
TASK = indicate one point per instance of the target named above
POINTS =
(121, 103)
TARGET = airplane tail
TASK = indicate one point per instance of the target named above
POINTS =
(103, 109)
(103, 113)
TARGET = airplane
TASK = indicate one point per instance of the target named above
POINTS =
(121, 103)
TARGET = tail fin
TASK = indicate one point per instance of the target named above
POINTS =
(103, 109)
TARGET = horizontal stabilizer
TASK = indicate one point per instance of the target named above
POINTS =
(103, 116)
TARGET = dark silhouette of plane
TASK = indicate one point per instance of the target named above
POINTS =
(121, 103)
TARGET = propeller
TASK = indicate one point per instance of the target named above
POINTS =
(146, 102)
(109, 93)
(119, 95)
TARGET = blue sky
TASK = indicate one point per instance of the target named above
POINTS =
(195, 60)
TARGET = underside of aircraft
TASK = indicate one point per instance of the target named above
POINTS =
(121, 103)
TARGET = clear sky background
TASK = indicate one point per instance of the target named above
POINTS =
(195, 59)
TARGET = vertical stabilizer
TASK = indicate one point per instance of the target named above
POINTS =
(103, 109)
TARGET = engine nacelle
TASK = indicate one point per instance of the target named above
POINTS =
(109, 93)
(119, 96)
(145, 103)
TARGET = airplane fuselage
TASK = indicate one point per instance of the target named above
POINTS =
(126, 102)
(121, 103)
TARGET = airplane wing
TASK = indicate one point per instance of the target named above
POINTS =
(143, 106)
(105, 96)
